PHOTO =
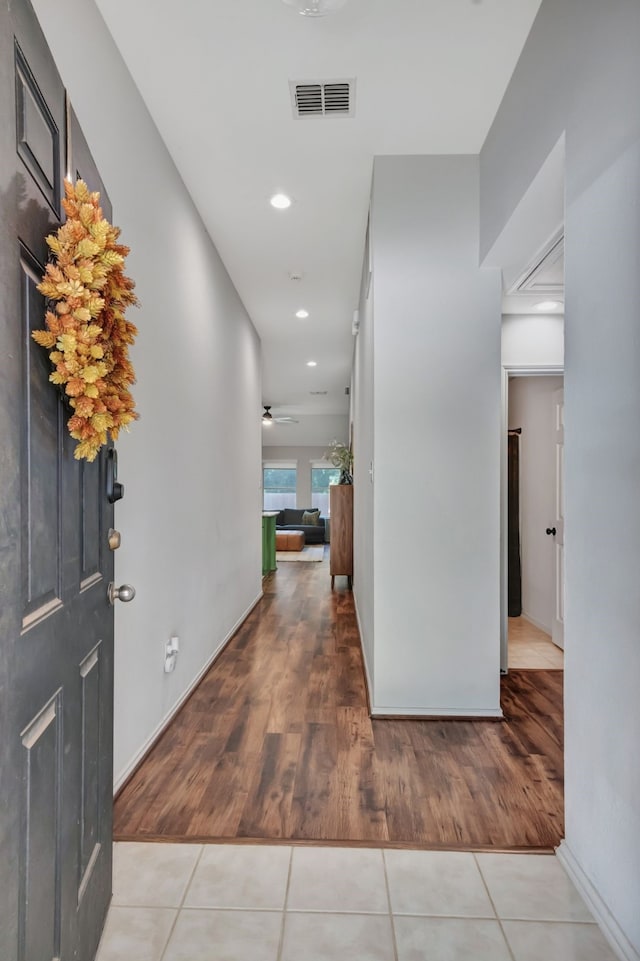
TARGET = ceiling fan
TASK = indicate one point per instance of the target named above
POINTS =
(268, 418)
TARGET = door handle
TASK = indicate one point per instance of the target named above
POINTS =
(551, 530)
(124, 593)
(115, 491)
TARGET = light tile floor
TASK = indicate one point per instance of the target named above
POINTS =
(230, 902)
(531, 648)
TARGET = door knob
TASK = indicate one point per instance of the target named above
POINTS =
(123, 593)
(551, 530)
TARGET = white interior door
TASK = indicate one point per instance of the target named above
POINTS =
(557, 628)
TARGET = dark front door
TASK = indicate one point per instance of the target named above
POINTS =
(56, 624)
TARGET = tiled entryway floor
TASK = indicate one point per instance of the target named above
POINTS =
(218, 902)
(529, 647)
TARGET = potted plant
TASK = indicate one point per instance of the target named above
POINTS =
(341, 456)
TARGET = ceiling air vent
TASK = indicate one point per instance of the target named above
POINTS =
(321, 98)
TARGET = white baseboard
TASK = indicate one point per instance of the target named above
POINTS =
(367, 676)
(457, 712)
(155, 734)
(619, 942)
(538, 624)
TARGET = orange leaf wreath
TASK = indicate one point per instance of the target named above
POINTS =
(87, 330)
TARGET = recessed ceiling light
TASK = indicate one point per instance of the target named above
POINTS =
(302, 313)
(549, 305)
(280, 201)
(311, 363)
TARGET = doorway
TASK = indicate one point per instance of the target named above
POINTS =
(535, 582)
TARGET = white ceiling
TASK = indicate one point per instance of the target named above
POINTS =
(215, 75)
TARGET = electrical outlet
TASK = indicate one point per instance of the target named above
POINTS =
(171, 649)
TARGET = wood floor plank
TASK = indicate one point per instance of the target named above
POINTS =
(314, 811)
(267, 811)
(276, 744)
(361, 800)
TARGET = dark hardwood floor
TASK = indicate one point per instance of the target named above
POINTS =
(276, 743)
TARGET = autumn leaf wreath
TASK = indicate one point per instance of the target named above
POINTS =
(87, 332)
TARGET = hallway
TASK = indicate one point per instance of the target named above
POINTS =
(276, 744)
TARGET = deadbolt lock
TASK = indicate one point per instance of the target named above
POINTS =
(114, 539)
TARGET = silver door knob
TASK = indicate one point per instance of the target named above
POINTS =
(123, 593)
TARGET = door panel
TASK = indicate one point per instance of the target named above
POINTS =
(42, 454)
(82, 165)
(56, 625)
(90, 533)
(90, 807)
(40, 867)
(38, 134)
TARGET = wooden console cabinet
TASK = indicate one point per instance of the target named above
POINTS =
(341, 551)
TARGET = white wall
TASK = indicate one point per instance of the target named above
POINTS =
(531, 407)
(362, 406)
(437, 441)
(516, 149)
(579, 77)
(312, 430)
(530, 340)
(190, 521)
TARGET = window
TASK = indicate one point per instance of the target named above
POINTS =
(279, 486)
(322, 475)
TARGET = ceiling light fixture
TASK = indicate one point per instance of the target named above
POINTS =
(280, 201)
(311, 363)
(302, 313)
(267, 417)
(315, 8)
(548, 305)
